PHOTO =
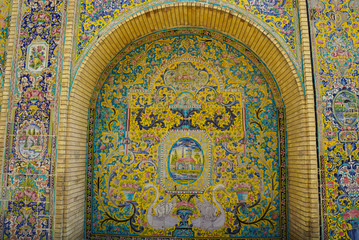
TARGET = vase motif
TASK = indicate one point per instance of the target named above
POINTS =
(242, 196)
(354, 232)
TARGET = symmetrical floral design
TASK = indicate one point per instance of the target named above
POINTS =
(37, 57)
(95, 15)
(169, 153)
(29, 165)
(334, 27)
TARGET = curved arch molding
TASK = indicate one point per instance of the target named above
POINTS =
(277, 20)
(300, 127)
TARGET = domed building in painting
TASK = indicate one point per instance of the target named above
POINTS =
(181, 119)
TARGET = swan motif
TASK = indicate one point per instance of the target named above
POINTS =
(209, 220)
(163, 218)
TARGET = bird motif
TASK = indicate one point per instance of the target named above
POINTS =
(162, 219)
(209, 220)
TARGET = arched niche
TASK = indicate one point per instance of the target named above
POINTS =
(301, 152)
(187, 123)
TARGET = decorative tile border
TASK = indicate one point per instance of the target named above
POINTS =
(27, 208)
(334, 33)
(5, 7)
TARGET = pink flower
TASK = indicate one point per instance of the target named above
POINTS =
(28, 193)
(111, 79)
(28, 95)
(35, 196)
(23, 33)
(337, 8)
(102, 147)
(32, 219)
(2, 23)
(346, 180)
(354, 213)
(220, 195)
(168, 48)
(202, 45)
(42, 15)
(219, 98)
(85, 37)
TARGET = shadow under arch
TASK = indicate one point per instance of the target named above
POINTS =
(301, 144)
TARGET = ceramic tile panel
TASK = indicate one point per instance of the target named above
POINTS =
(334, 34)
(96, 15)
(186, 139)
(27, 206)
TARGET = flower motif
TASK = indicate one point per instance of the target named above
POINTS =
(352, 214)
(242, 186)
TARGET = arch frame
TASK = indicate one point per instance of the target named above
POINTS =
(228, 7)
(301, 152)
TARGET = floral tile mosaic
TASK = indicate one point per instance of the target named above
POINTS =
(5, 7)
(27, 208)
(334, 33)
(95, 15)
(186, 139)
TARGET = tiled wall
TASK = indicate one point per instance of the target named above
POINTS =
(187, 139)
(334, 34)
(40, 62)
(302, 162)
(95, 16)
(5, 7)
(34, 75)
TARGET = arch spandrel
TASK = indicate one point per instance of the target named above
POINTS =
(146, 21)
(277, 17)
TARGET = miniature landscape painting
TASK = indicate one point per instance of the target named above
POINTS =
(185, 161)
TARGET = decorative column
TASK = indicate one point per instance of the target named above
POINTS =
(29, 170)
